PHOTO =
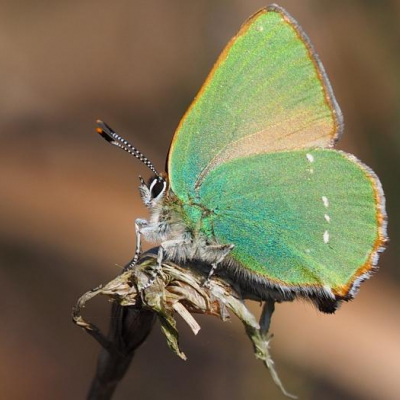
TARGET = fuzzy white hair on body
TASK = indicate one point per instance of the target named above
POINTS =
(167, 227)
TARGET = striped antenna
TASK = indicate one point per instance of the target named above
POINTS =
(108, 134)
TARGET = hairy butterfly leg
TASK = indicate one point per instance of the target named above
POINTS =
(222, 251)
(162, 250)
(139, 225)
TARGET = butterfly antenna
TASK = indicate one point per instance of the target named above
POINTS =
(108, 134)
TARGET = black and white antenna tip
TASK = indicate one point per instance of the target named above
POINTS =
(105, 131)
(112, 137)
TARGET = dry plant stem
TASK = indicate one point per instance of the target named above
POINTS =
(129, 327)
(176, 290)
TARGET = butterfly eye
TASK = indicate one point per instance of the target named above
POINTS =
(157, 187)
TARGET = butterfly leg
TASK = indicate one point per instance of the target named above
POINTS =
(221, 252)
(164, 248)
(139, 225)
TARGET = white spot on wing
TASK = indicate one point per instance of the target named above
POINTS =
(325, 201)
(327, 217)
(326, 237)
(310, 157)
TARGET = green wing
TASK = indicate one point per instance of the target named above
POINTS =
(267, 92)
(307, 218)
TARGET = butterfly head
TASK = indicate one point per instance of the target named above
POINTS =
(153, 192)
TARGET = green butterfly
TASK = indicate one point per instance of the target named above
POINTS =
(253, 185)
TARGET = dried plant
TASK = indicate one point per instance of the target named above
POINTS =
(176, 290)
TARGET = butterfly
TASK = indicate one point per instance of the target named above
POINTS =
(253, 185)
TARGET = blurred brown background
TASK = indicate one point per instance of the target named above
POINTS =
(68, 200)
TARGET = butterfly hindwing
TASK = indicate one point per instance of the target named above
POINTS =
(267, 92)
(307, 218)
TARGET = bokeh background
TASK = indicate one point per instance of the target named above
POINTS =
(68, 200)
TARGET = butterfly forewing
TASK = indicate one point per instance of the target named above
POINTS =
(267, 92)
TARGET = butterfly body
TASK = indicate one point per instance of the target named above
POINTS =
(254, 186)
(182, 228)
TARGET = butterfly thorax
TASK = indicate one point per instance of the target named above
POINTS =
(193, 216)
(187, 224)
